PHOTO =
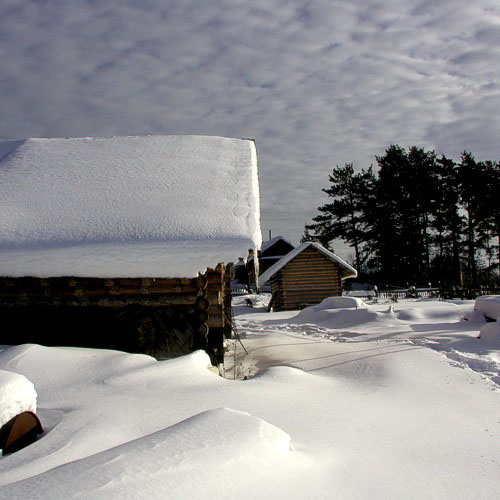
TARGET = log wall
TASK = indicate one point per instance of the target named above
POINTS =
(307, 279)
(219, 317)
(163, 317)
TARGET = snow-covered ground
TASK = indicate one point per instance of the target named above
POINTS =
(379, 401)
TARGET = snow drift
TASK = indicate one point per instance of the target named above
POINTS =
(489, 305)
(216, 443)
(17, 394)
(490, 332)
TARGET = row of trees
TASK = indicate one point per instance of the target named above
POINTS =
(419, 218)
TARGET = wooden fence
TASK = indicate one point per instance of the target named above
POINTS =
(409, 293)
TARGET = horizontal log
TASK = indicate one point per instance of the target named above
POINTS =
(309, 269)
(304, 263)
(311, 263)
(74, 281)
(304, 283)
(313, 269)
(63, 286)
(305, 296)
(104, 301)
(310, 258)
(79, 292)
(310, 282)
(308, 278)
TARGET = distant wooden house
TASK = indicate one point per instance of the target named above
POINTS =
(270, 252)
(306, 276)
(124, 242)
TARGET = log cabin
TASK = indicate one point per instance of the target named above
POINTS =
(305, 276)
(124, 242)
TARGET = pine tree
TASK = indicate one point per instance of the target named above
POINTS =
(488, 219)
(420, 218)
(389, 242)
(344, 218)
(472, 179)
(447, 224)
(406, 193)
(307, 235)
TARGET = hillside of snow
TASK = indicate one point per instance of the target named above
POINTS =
(366, 401)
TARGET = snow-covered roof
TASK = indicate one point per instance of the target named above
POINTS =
(269, 243)
(266, 276)
(160, 206)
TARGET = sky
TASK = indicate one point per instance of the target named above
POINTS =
(315, 83)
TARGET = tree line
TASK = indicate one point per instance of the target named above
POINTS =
(419, 218)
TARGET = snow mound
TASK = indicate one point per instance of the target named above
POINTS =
(474, 317)
(337, 312)
(189, 369)
(17, 394)
(489, 305)
(411, 315)
(338, 318)
(348, 312)
(490, 332)
(55, 369)
(176, 462)
(336, 303)
(282, 373)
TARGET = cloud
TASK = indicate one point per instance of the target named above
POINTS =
(316, 84)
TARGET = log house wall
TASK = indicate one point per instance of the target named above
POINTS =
(163, 317)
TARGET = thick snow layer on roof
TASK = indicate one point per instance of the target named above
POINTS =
(17, 394)
(126, 206)
(291, 255)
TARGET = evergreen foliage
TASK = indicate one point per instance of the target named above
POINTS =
(345, 217)
(419, 219)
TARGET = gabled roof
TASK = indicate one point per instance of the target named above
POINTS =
(266, 276)
(160, 206)
(269, 243)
